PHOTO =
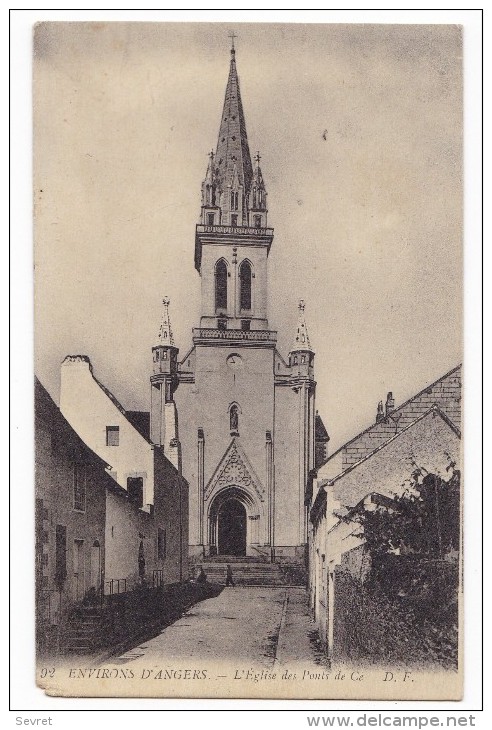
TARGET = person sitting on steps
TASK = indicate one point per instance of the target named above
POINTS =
(201, 577)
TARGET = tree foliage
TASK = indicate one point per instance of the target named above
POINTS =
(413, 542)
(424, 521)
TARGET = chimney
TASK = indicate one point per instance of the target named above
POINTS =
(380, 412)
(390, 403)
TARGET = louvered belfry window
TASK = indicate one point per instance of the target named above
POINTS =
(221, 286)
(245, 285)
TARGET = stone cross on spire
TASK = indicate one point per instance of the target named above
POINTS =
(301, 341)
(165, 332)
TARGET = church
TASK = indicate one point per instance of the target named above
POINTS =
(237, 417)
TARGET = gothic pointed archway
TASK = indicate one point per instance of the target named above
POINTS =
(231, 528)
(232, 523)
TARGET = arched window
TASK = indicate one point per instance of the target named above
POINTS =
(245, 285)
(234, 419)
(221, 285)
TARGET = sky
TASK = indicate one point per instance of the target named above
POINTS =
(359, 128)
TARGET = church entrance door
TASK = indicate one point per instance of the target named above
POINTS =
(232, 528)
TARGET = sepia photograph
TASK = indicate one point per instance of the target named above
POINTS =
(248, 327)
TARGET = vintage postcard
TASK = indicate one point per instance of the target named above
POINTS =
(248, 348)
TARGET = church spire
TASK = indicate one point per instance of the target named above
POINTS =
(165, 337)
(301, 341)
(232, 144)
(233, 192)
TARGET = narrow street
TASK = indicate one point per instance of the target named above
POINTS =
(263, 626)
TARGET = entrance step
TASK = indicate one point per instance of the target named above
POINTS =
(251, 572)
(235, 559)
(85, 631)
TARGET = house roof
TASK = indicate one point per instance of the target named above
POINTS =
(396, 411)
(137, 419)
(47, 411)
(321, 434)
(435, 409)
(141, 421)
(321, 495)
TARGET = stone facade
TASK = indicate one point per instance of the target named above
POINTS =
(246, 415)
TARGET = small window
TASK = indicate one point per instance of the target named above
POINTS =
(222, 323)
(295, 360)
(134, 486)
(161, 544)
(245, 325)
(257, 223)
(234, 221)
(79, 487)
(303, 359)
(112, 435)
(210, 219)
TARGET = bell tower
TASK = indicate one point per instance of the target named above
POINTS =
(246, 414)
(232, 240)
